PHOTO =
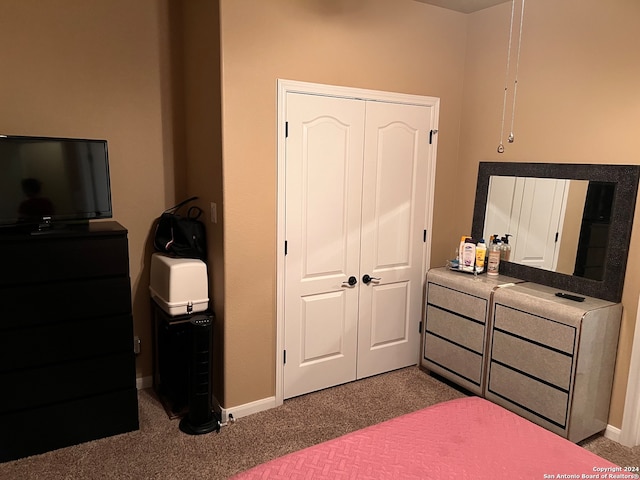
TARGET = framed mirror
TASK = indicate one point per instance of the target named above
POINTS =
(568, 225)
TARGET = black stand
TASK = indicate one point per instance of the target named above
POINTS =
(200, 418)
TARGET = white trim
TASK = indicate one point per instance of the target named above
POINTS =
(144, 382)
(630, 431)
(612, 433)
(248, 408)
(292, 86)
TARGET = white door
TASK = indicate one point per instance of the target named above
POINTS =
(513, 205)
(323, 195)
(393, 221)
(500, 214)
(536, 240)
(343, 221)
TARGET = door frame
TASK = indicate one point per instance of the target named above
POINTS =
(629, 433)
(292, 86)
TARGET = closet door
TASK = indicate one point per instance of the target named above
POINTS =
(513, 207)
(356, 195)
(323, 207)
(394, 198)
(535, 241)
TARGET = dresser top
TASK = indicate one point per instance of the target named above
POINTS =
(488, 281)
(542, 301)
(64, 230)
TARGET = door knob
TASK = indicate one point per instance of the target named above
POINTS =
(351, 282)
(366, 279)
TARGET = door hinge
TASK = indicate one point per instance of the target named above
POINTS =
(420, 327)
(431, 134)
(286, 129)
(284, 357)
(424, 236)
(557, 233)
(286, 247)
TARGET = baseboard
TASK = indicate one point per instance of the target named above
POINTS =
(144, 382)
(612, 433)
(248, 409)
(237, 412)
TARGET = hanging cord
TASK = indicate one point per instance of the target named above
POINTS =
(506, 80)
(515, 82)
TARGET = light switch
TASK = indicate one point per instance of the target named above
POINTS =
(214, 213)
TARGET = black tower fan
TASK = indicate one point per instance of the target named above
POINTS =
(200, 418)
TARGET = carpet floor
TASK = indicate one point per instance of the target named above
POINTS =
(159, 450)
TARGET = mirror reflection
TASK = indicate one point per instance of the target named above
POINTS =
(553, 224)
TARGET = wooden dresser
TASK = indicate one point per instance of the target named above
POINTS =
(67, 366)
(549, 359)
(457, 325)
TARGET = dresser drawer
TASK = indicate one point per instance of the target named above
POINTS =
(67, 381)
(455, 328)
(29, 432)
(543, 400)
(458, 302)
(42, 304)
(548, 365)
(65, 342)
(50, 259)
(547, 332)
(456, 359)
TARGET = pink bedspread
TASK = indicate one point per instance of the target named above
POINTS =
(469, 438)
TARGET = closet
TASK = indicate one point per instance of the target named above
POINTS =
(358, 198)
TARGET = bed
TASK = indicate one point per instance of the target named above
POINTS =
(467, 438)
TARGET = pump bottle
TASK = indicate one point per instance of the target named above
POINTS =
(493, 262)
(505, 249)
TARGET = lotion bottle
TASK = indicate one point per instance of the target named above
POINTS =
(505, 249)
(461, 251)
(481, 255)
(493, 263)
(468, 255)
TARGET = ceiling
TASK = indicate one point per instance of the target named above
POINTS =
(464, 6)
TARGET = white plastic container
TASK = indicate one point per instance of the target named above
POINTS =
(468, 256)
(179, 285)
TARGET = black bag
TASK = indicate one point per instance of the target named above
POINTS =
(181, 236)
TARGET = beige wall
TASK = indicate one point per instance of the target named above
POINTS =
(578, 102)
(401, 46)
(97, 69)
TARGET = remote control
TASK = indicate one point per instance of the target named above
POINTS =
(575, 298)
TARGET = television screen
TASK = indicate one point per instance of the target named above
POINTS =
(49, 180)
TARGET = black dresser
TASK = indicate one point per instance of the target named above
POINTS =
(67, 366)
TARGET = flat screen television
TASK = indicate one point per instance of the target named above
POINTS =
(47, 182)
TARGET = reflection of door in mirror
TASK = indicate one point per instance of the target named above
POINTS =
(543, 215)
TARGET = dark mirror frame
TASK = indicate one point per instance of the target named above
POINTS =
(626, 179)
